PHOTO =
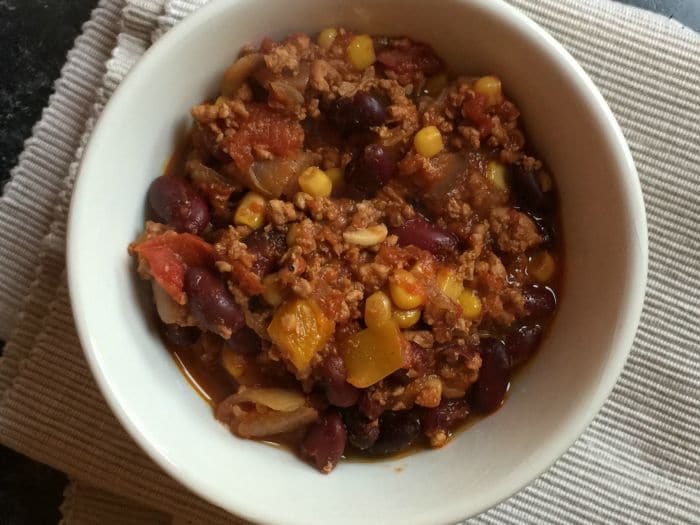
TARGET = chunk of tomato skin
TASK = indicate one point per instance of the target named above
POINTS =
(276, 132)
(169, 255)
(407, 61)
(475, 110)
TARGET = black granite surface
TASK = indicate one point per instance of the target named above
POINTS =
(34, 38)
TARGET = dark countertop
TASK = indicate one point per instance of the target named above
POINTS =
(35, 36)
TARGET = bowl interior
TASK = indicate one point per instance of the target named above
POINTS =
(550, 403)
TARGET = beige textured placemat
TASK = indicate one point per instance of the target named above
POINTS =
(638, 462)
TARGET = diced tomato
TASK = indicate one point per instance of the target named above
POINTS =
(170, 254)
(475, 110)
(276, 132)
(406, 62)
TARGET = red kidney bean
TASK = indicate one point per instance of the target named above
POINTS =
(362, 432)
(521, 344)
(445, 417)
(370, 170)
(210, 301)
(490, 388)
(268, 248)
(324, 442)
(426, 236)
(540, 301)
(397, 431)
(176, 203)
(338, 391)
(181, 335)
(370, 406)
(245, 341)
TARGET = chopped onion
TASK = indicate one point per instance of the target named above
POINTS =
(238, 72)
(277, 399)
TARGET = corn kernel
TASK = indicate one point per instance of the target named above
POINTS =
(541, 267)
(545, 181)
(490, 87)
(377, 310)
(448, 282)
(435, 85)
(336, 175)
(250, 211)
(406, 292)
(496, 174)
(471, 304)
(272, 293)
(428, 141)
(406, 318)
(315, 182)
(360, 52)
(327, 37)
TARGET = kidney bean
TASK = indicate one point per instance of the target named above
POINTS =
(358, 113)
(338, 391)
(521, 344)
(540, 301)
(324, 442)
(362, 432)
(426, 236)
(181, 335)
(490, 388)
(176, 203)
(528, 194)
(268, 248)
(397, 431)
(444, 417)
(210, 301)
(370, 406)
(245, 341)
(370, 170)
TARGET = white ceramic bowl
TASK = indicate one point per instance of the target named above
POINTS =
(550, 404)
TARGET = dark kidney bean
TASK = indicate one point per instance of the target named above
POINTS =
(426, 236)
(528, 194)
(521, 344)
(490, 389)
(370, 170)
(397, 431)
(362, 432)
(245, 341)
(210, 301)
(338, 391)
(324, 442)
(445, 417)
(181, 335)
(176, 203)
(540, 301)
(358, 113)
(370, 406)
(268, 248)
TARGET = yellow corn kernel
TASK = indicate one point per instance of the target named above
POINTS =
(377, 310)
(360, 51)
(490, 87)
(428, 141)
(327, 37)
(406, 318)
(273, 292)
(250, 211)
(541, 267)
(496, 174)
(545, 181)
(448, 282)
(471, 304)
(336, 175)
(435, 85)
(406, 292)
(315, 182)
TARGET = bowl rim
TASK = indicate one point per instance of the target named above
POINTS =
(629, 318)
